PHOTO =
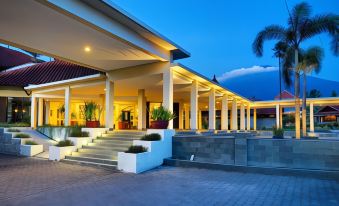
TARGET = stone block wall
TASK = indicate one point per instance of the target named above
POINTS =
(204, 148)
(290, 153)
(259, 152)
(9, 145)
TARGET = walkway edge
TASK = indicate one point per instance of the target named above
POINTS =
(323, 174)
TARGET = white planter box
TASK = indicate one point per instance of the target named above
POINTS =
(31, 150)
(134, 163)
(157, 151)
(21, 140)
(79, 141)
(58, 153)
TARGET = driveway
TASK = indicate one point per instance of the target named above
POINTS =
(30, 181)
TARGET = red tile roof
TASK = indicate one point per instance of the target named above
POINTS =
(44, 73)
(11, 58)
(284, 95)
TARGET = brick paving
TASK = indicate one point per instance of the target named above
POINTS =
(40, 182)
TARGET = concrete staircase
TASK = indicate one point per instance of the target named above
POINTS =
(103, 151)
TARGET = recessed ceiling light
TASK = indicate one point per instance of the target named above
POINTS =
(87, 49)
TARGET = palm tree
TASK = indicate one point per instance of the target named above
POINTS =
(310, 61)
(280, 52)
(301, 26)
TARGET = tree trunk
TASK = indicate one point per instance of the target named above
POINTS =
(304, 108)
(296, 93)
(279, 80)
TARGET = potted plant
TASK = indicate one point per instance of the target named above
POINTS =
(134, 159)
(278, 133)
(73, 119)
(123, 123)
(60, 150)
(92, 112)
(161, 117)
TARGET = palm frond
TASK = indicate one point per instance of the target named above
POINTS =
(312, 59)
(268, 33)
(326, 23)
(299, 15)
(287, 66)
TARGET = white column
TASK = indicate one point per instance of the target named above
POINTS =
(277, 110)
(67, 106)
(211, 110)
(141, 109)
(187, 117)
(248, 117)
(40, 111)
(47, 111)
(242, 117)
(102, 104)
(311, 118)
(224, 112)
(280, 116)
(109, 104)
(181, 115)
(200, 120)
(194, 105)
(255, 119)
(33, 111)
(234, 115)
(167, 93)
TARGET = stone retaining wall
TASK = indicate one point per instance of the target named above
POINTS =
(8, 145)
(284, 153)
(204, 148)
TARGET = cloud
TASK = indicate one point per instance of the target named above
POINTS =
(245, 71)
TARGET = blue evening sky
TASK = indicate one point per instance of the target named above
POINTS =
(219, 33)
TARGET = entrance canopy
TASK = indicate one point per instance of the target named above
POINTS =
(90, 33)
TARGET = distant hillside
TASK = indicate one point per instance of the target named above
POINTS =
(265, 85)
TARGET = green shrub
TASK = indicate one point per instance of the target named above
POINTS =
(64, 143)
(13, 130)
(30, 142)
(136, 149)
(151, 137)
(22, 136)
(278, 133)
(162, 114)
(78, 133)
(16, 124)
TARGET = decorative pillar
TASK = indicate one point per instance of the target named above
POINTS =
(167, 92)
(47, 111)
(141, 109)
(109, 104)
(255, 119)
(211, 110)
(67, 106)
(194, 105)
(187, 117)
(277, 116)
(248, 124)
(33, 111)
(40, 111)
(311, 117)
(234, 115)
(242, 117)
(224, 112)
(200, 119)
(181, 115)
(280, 116)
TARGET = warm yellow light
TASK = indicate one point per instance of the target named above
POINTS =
(87, 49)
(23, 111)
(16, 110)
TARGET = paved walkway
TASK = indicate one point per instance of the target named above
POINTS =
(29, 181)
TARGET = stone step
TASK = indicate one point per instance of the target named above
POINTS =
(111, 142)
(94, 155)
(102, 150)
(119, 138)
(81, 162)
(112, 162)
